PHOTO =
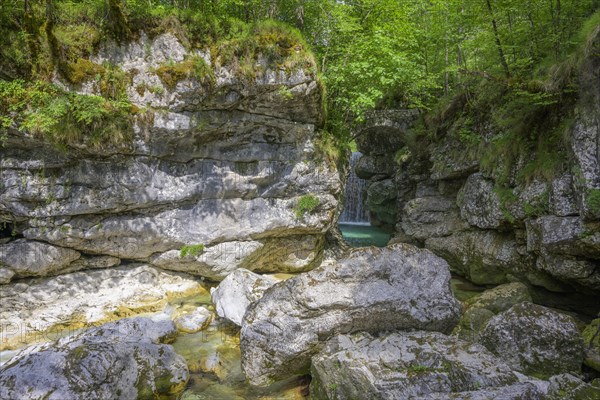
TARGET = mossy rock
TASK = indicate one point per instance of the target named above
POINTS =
(591, 339)
(472, 323)
(501, 298)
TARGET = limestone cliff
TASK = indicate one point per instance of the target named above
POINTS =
(218, 173)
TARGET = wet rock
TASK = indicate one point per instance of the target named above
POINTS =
(535, 340)
(235, 293)
(373, 289)
(120, 360)
(26, 258)
(404, 365)
(193, 321)
(40, 309)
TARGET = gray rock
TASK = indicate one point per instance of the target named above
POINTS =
(481, 308)
(517, 391)
(484, 257)
(501, 298)
(29, 258)
(570, 269)
(569, 387)
(591, 337)
(193, 321)
(6, 275)
(404, 365)
(39, 309)
(535, 340)
(235, 293)
(214, 262)
(450, 161)
(434, 216)
(220, 165)
(373, 289)
(479, 204)
(570, 236)
(563, 201)
(381, 200)
(120, 360)
(370, 166)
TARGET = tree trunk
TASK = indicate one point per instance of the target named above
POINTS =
(498, 42)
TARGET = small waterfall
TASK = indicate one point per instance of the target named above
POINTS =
(354, 210)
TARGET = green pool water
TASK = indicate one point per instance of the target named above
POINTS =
(364, 235)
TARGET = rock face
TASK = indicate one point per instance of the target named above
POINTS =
(221, 165)
(535, 340)
(235, 293)
(22, 258)
(41, 309)
(397, 287)
(102, 363)
(405, 366)
(501, 224)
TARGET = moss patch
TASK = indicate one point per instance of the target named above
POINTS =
(194, 67)
(306, 204)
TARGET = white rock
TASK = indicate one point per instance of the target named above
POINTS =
(235, 293)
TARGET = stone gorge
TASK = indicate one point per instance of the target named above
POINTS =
(199, 255)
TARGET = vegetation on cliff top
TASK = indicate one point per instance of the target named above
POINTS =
(516, 59)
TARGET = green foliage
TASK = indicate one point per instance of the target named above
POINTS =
(507, 198)
(593, 200)
(285, 93)
(307, 203)
(192, 250)
(64, 118)
(402, 156)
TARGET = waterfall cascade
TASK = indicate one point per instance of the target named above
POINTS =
(354, 210)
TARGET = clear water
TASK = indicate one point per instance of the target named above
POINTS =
(214, 359)
(364, 235)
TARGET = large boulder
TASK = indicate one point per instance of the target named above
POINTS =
(120, 360)
(535, 340)
(40, 309)
(404, 366)
(235, 293)
(373, 289)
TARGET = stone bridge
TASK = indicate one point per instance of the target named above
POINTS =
(383, 130)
